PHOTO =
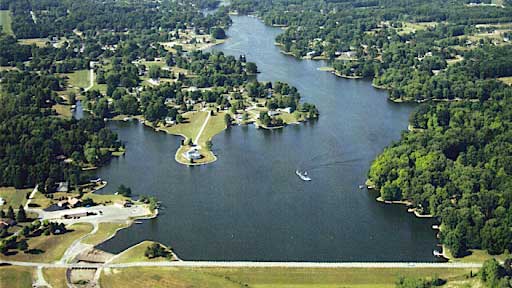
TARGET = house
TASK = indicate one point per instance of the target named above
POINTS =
(2, 201)
(169, 121)
(273, 113)
(63, 187)
(73, 202)
(285, 110)
(193, 154)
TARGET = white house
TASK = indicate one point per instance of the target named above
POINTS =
(193, 154)
(169, 121)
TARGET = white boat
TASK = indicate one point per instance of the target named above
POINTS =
(303, 176)
(437, 253)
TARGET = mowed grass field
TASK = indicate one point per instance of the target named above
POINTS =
(16, 276)
(13, 197)
(5, 21)
(272, 277)
(136, 254)
(55, 277)
(191, 127)
(79, 79)
(215, 125)
(52, 247)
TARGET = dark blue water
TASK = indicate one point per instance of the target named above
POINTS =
(249, 204)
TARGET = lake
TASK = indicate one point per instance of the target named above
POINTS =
(249, 204)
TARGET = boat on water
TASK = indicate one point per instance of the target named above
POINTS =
(304, 176)
(437, 253)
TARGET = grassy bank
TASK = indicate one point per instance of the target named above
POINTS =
(6, 21)
(105, 231)
(136, 254)
(271, 277)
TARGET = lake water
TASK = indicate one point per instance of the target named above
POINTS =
(249, 204)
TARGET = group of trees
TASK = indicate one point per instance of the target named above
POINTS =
(32, 142)
(156, 250)
(456, 166)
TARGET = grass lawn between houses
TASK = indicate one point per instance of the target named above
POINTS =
(274, 277)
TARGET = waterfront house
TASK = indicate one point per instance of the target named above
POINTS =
(193, 154)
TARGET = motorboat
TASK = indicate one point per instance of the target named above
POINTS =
(303, 175)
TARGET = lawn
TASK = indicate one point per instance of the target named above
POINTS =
(270, 277)
(476, 256)
(79, 79)
(136, 254)
(5, 21)
(55, 277)
(53, 246)
(215, 125)
(39, 42)
(63, 110)
(506, 80)
(192, 125)
(409, 27)
(14, 197)
(105, 231)
(16, 276)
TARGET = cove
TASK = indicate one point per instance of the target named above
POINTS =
(249, 204)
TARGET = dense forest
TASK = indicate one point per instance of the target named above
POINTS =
(455, 163)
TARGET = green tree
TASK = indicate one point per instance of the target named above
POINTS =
(21, 216)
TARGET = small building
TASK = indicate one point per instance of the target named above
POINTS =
(193, 154)
(273, 113)
(2, 201)
(285, 110)
(63, 187)
(75, 215)
(169, 121)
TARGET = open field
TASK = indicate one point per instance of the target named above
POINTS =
(215, 125)
(39, 42)
(52, 246)
(271, 277)
(15, 276)
(13, 197)
(409, 27)
(63, 110)
(55, 277)
(506, 80)
(105, 231)
(78, 79)
(136, 254)
(191, 127)
(5, 21)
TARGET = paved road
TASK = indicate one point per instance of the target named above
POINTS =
(205, 264)
(91, 80)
